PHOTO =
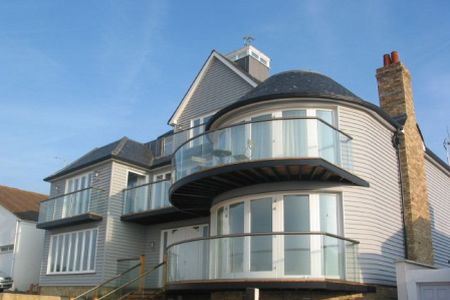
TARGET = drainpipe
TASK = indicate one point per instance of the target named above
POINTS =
(396, 143)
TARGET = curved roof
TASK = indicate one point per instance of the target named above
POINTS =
(299, 84)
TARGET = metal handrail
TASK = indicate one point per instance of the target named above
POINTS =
(260, 121)
(106, 282)
(237, 235)
(132, 281)
(74, 192)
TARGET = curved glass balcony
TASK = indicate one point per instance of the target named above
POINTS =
(287, 138)
(267, 256)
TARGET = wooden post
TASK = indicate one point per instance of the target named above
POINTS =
(141, 272)
(165, 273)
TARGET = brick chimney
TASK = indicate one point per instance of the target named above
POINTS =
(396, 98)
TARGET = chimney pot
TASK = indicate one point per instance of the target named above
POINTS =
(395, 57)
(386, 60)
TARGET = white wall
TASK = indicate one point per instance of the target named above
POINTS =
(28, 252)
(7, 233)
(411, 276)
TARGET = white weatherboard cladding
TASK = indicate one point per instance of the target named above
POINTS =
(219, 87)
(123, 239)
(102, 181)
(373, 215)
(438, 185)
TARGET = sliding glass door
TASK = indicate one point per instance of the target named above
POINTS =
(295, 138)
(261, 137)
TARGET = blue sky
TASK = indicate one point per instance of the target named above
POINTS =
(75, 75)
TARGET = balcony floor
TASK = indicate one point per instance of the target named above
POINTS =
(296, 284)
(162, 215)
(75, 220)
(195, 192)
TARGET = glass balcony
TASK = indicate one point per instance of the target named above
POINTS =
(287, 138)
(171, 142)
(85, 202)
(146, 197)
(268, 256)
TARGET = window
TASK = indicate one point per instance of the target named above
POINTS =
(296, 136)
(296, 254)
(72, 252)
(78, 200)
(135, 179)
(197, 127)
(160, 190)
(135, 196)
(6, 248)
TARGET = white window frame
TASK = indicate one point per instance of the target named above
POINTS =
(202, 121)
(141, 173)
(277, 226)
(311, 112)
(87, 175)
(92, 260)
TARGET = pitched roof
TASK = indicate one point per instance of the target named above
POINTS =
(23, 204)
(124, 149)
(214, 54)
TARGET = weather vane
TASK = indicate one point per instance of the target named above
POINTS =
(248, 40)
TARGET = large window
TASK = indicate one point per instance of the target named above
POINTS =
(78, 199)
(72, 252)
(299, 138)
(295, 254)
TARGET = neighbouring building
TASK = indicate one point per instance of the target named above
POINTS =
(21, 243)
(287, 183)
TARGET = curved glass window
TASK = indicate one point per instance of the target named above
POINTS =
(294, 133)
(293, 255)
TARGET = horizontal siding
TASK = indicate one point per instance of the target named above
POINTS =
(100, 182)
(219, 87)
(373, 215)
(438, 185)
(123, 240)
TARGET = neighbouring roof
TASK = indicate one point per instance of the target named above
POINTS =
(23, 204)
(124, 149)
(300, 84)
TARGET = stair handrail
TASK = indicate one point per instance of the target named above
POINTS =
(133, 280)
(106, 282)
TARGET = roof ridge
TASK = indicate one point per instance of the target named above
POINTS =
(21, 190)
(120, 146)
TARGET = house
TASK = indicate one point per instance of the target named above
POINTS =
(21, 243)
(289, 184)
